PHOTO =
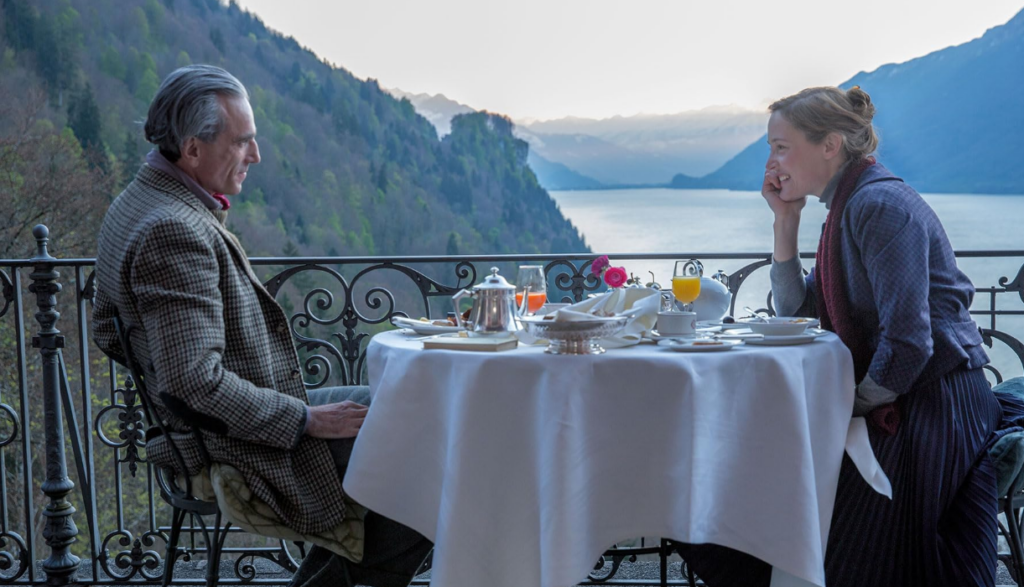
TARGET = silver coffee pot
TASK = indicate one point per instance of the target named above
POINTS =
(494, 309)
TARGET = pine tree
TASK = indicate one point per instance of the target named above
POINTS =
(382, 177)
(453, 244)
(84, 118)
(290, 249)
(217, 38)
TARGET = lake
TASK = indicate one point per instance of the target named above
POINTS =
(695, 221)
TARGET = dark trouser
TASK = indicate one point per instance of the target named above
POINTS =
(940, 527)
(392, 553)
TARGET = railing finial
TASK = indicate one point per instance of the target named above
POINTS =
(42, 235)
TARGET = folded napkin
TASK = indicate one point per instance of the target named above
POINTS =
(641, 303)
(858, 447)
(403, 322)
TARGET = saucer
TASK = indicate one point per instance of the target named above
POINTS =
(657, 336)
(699, 346)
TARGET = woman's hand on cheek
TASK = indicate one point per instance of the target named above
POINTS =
(771, 190)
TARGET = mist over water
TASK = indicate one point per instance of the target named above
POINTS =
(695, 221)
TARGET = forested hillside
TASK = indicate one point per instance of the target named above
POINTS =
(347, 169)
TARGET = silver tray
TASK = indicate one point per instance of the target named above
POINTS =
(573, 337)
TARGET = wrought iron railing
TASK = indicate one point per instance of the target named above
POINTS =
(335, 305)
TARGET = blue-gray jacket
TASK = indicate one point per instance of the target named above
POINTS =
(901, 279)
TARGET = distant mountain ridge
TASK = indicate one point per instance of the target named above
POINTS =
(583, 153)
(949, 122)
(651, 147)
(437, 108)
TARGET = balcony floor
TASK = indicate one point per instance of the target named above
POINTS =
(642, 572)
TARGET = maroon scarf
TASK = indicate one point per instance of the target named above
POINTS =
(832, 301)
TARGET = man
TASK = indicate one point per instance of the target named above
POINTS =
(214, 344)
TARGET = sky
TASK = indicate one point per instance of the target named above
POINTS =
(542, 59)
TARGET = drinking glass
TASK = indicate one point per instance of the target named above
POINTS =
(686, 282)
(531, 278)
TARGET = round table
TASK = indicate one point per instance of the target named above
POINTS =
(524, 467)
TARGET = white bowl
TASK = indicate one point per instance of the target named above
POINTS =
(779, 325)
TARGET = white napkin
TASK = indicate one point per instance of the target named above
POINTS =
(641, 303)
(858, 446)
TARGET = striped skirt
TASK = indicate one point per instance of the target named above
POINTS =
(940, 527)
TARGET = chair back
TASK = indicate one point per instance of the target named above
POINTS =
(172, 491)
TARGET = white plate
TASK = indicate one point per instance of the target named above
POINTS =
(779, 325)
(720, 324)
(699, 346)
(785, 340)
(420, 327)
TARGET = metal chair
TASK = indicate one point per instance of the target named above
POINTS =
(181, 498)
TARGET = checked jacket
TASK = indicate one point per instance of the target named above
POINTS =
(213, 343)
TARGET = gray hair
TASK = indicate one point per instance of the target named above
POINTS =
(186, 105)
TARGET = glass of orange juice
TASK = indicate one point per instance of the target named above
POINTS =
(686, 282)
(530, 279)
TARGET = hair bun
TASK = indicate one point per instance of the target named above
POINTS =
(861, 103)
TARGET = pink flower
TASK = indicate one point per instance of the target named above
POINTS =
(615, 276)
(600, 264)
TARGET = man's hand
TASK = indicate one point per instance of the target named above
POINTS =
(341, 420)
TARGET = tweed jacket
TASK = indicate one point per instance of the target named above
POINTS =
(215, 346)
(902, 280)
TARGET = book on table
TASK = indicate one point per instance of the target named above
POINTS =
(472, 343)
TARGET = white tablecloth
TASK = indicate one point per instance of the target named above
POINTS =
(524, 467)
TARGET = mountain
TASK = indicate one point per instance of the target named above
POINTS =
(600, 159)
(651, 147)
(437, 108)
(347, 169)
(555, 176)
(585, 153)
(949, 122)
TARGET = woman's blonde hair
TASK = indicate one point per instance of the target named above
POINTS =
(820, 111)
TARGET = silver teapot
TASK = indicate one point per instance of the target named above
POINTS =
(494, 309)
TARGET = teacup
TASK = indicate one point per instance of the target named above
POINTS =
(677, 323)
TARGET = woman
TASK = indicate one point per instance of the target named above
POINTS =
(886, 281)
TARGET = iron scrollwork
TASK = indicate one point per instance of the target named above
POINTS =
(737, 278)
(132, 433)
(15, 425)
(989, 336)
(246, 571)
(599, 575)
(572, 279)
(348, 350)
(7, 290)
(8, 560)
(132, 560)
(1016, 285)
